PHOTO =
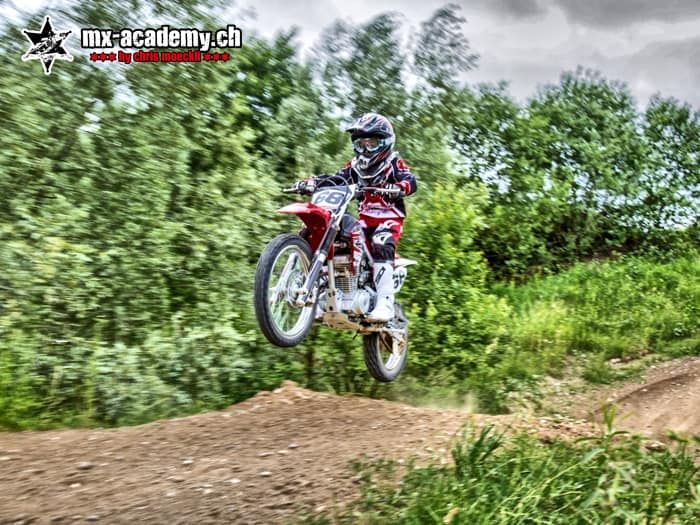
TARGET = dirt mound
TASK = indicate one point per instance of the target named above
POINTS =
(667, 398)
(266, 460)
(275, 456)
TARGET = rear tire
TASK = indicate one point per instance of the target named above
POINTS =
(283, 323)
(383, 359)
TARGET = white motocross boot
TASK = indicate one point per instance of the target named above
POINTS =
(384, 284)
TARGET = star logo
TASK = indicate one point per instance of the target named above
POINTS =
(47, 46)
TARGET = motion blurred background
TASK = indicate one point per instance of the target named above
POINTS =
(555, 226)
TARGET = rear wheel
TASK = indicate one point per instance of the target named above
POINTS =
(385, 354)
(281, 272)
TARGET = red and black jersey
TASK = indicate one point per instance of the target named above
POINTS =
(374, 205)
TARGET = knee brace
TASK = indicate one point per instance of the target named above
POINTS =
(383, 246)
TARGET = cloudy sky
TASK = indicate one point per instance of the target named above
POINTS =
(653, 45)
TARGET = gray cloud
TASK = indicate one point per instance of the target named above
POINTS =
(286, 14)
(530, 42)
(668, 67)
(508, 8)
(610, 13)
(671, 67)
(594, 13)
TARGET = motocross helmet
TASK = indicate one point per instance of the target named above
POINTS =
(372, 138)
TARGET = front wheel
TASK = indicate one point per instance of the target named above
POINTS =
(282, 270)
(385, 354)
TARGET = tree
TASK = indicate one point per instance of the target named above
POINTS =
(362, 67)
(565, 169)
(670, 186)
(442, 51)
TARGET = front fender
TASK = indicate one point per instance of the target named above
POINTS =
(314, 217)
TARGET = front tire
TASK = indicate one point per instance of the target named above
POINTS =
(384, 356)
(282, 268)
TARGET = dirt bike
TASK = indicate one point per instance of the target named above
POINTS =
(324, 275)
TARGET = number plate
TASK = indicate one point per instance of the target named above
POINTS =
(328, 198)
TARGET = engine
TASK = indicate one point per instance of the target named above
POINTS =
(345, 279)
(353, 297)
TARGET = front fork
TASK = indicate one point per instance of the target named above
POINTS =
(305, 293)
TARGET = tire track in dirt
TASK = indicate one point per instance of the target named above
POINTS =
(668, 399)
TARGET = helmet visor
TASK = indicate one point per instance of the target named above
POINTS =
(367, 144)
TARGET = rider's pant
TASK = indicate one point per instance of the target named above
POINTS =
(382, 236)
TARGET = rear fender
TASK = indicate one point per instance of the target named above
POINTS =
(402, 261)
(400, 264)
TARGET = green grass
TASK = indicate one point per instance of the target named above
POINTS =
(517, 480)
(594, 312)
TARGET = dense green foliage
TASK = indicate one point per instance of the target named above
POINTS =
(136, 199)
(494, 479)
(602, 310)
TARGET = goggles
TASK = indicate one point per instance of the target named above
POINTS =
(367, 144)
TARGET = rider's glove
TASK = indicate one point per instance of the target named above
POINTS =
(305, 186)
(396, 195)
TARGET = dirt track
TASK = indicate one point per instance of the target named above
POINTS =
(667, 398)
(272, 458)
(262, 461)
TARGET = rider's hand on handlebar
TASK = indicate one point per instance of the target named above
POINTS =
(305, 186)
(395, 192)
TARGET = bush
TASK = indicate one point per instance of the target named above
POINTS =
(453, 317)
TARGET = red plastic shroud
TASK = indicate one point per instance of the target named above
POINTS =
(315, 218)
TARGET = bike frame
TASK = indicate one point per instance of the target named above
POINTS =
(323, 224)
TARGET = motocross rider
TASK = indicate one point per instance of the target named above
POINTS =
(377, 165)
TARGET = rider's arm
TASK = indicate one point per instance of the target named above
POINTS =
(404, 178)
(341, 177)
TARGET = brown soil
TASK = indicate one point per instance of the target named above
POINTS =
(267, 460)
(276, 456)
(666, 398)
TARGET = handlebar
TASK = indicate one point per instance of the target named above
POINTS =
(388, 191)
(366, 189)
